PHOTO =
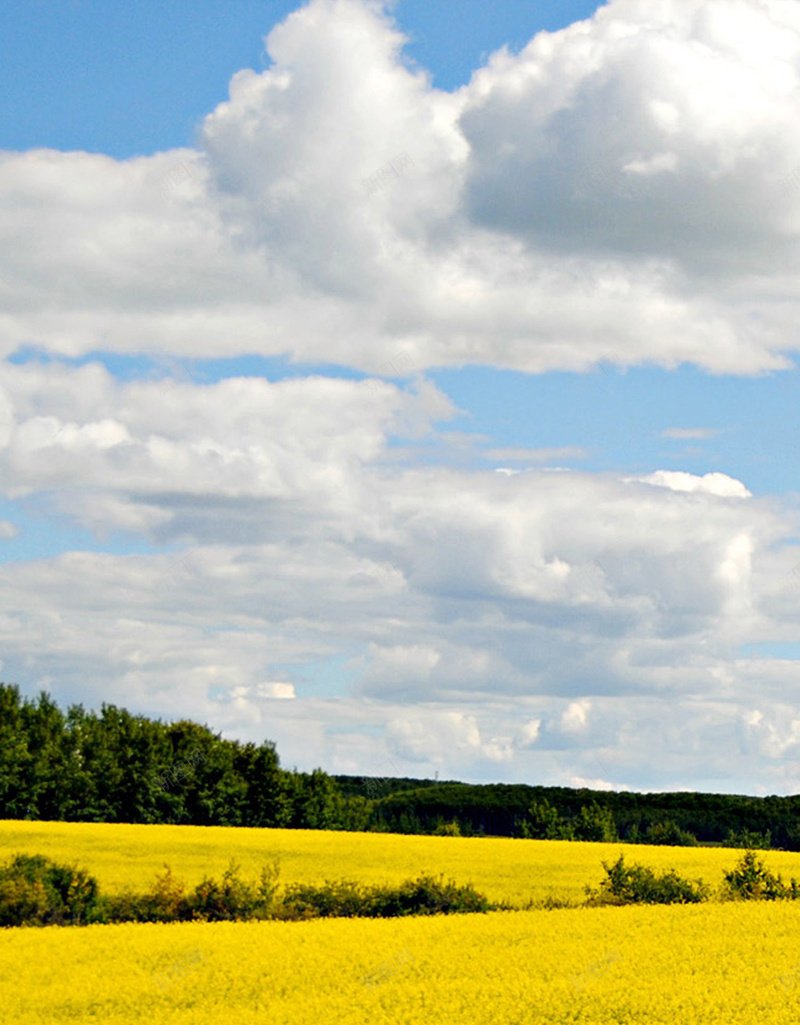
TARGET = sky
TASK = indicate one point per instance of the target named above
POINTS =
(413, 385)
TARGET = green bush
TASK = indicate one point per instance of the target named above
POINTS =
(233, 898)
(210, 901)
(429, 896)
(636, 884)
(333, 899)
(752, 880)
(36, 891)
(347, 899)
(165, 902)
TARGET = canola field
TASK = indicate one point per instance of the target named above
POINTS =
(714, 964)
(706, 964)
(516, 871)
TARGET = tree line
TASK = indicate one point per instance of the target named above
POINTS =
(112, 766)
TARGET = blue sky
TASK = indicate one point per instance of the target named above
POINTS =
(128, 79)
(408, 399)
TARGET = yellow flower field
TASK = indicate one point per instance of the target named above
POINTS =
(513, 870)
(712, 964)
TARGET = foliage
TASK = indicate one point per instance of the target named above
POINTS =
(544, 823)
(345, 898)
(118, 767)
(752, 880)
(595, 823)
(447, 829)
(37, 891)
(112, 766)
(669, 834)
(637, 884)
(749, 840)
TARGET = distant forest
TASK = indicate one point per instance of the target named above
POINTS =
(112, 766)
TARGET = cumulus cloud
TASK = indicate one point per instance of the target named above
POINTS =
(575, 718)
(590, 194)
(714, 483)
(289, 536)
(282, 561)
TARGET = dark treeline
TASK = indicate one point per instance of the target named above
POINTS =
(112, 766)
(500, 809)
(118, 767)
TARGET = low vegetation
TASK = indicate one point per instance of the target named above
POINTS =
(637, 884)
(752, 880)
(37, 891)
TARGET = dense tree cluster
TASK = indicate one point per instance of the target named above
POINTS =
(112, 766)
(118, 767)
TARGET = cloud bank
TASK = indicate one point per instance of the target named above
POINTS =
(619, 192)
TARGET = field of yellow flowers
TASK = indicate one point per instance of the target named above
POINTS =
(705, 964)
(515, 871)
(710, 964)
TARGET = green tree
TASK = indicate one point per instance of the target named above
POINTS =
(545, 823)
(314, 804)
(595, 823)
(669, 834)
(16, 793)
(268, 798)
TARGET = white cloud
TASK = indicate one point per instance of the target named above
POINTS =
(613, 194)
(275, 690)
(593, 193)
(713, 483)
(530, 731)
(575, 717)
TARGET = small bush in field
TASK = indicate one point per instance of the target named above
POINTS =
(233, 898)
(752, 880)
(37, 891)
(346, 899)
(636, 884)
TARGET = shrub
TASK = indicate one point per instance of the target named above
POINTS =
(429, 896)
(636, 884)
(752, 880)
(333, 899)
(347, 899)
(233, 898)
(36, 891)
(165, 902)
